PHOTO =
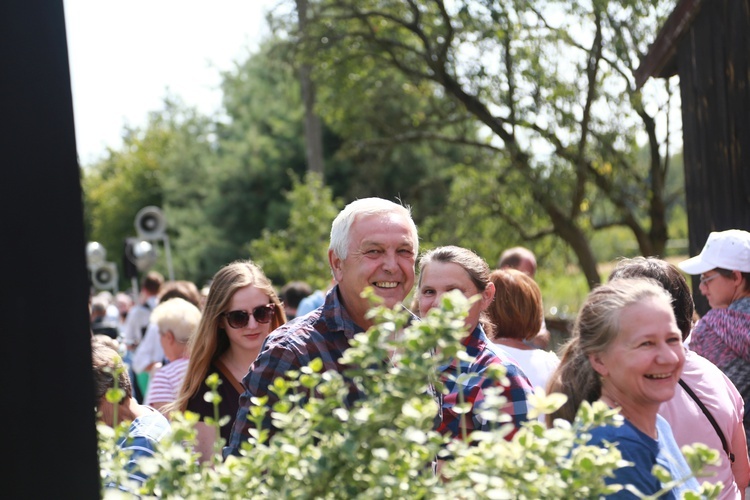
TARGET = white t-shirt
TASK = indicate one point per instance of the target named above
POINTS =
(149, 350)
(537, 364)
(136, 321)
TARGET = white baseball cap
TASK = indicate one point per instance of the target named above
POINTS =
(724, 249)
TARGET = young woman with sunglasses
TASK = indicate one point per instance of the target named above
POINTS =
(241, 309)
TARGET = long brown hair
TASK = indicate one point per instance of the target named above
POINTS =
(211, 340)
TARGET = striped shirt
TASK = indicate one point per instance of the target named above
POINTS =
(165, 383)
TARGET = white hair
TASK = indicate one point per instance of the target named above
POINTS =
(342, 224)
(178, 316)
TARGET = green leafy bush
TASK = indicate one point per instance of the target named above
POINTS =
(385, 446)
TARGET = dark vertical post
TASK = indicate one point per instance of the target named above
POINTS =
(49, 433)
(714, 69)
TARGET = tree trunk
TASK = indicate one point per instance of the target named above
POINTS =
(313, 126)
(577, 240)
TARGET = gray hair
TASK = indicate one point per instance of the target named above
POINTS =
(596, 327)
(342, 224)
(178, 316)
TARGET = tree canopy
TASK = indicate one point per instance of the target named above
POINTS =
(544, 88)
(500, 123)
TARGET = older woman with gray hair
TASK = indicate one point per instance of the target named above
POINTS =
(705, 397)
(177, 320)
(626, 351)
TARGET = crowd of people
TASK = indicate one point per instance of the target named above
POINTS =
(636, 345)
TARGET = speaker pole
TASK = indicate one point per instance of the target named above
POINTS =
(115, 279)
(168, 251)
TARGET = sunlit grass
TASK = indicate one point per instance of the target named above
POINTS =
(563, 293)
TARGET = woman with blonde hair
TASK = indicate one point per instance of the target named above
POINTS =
(241, 309)
(176, 321)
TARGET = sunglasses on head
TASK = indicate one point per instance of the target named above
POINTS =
(240, 319)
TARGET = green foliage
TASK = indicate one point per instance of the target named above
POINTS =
(300, 252)
(186, 175)
(562, 292)
(384, 446)
(120, 185)
(528, 88)
(161, 165)
(220, 180)
(470, 112)
(260, 142)
(394, 147)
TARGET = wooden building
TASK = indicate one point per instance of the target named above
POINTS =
(707, 43)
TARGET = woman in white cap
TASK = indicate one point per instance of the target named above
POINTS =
(722, 335)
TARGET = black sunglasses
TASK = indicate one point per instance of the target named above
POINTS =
(240, 319)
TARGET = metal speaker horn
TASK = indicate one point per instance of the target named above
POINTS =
(104, 276)
(95, 254)
(144, 255)
(150, 223)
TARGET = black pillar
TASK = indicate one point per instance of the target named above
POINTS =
(713, 59)
(49, 433)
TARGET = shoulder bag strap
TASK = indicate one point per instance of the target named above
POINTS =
(228, 375)
(710, 419)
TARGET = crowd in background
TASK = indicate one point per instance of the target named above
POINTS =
(637, 344)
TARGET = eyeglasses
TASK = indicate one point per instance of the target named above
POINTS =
(240, 319)
(706, 279)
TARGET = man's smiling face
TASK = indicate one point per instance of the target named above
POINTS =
(381, 254)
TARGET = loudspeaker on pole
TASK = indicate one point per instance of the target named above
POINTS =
(150, 223)
(104, 276)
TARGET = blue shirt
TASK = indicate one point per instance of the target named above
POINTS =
(311, 302)
(645, 452)
(142, 440)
